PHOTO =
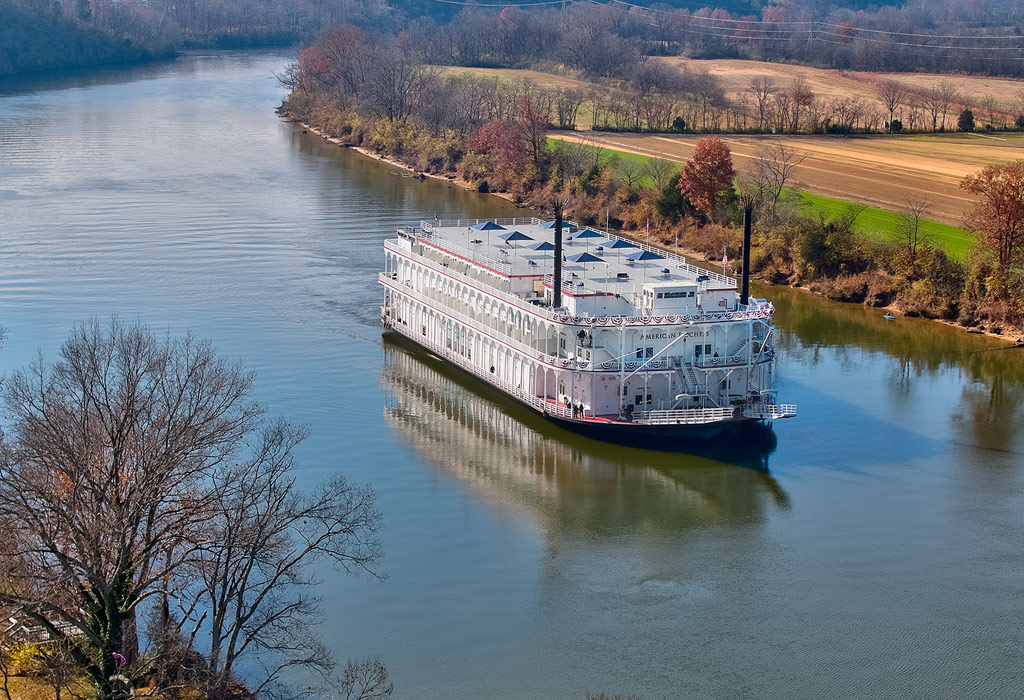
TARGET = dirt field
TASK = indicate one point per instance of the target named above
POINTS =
(735, 76)
(880, 171)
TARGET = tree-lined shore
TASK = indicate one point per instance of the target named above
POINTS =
(492, 136)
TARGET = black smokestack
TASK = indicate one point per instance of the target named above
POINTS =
(745, 293)
(558, 255)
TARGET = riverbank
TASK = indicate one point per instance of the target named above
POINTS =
(887, 301)
(394, 162)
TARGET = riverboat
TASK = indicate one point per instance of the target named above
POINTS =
(603, 335)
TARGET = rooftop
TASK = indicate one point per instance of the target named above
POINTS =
(594, 262)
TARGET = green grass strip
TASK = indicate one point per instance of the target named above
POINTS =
(883, 224)
(872, 221)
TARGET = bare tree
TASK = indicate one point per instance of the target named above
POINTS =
(567, 106)
(107, 446)
(365, 680)
(137, 468)
(932, 101)
(264, 535)
(801, 96)
(908, 226)
(8, 638)
(771, 170)
(54, 665)
(575, 157)
(660, 171)
(762, 87)
(948, 96)
(991, 106)
(631, 171)
(394, 83)
(892, 94)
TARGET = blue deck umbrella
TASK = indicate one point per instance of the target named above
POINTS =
(542, 246)
(513, 237)
(643, 256)
(584, 258)
(566, 225)
(487, 226)
(588, 235)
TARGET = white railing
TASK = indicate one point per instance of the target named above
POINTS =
(678, 260)
(738, 360)
(455, 358)
(694, 416)
(772, 411)
(503, 266)
(570, 283)
(758, 312)
(476, 283)
(688, 416)
(428, 226)
(465, 320)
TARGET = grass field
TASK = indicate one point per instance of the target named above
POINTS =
(954, 241)
(874, 221)
(881, 171)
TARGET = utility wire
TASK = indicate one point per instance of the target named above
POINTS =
(813, 24)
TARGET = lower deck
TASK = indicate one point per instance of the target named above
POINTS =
(654, 392)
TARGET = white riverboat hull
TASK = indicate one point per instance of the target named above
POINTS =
(723, 440)
(624, 354)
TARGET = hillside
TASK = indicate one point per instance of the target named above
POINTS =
(32, 42)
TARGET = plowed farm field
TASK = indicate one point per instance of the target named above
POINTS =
(735, 76)
(881, 171)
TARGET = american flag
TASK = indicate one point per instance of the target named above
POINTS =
(725, 259)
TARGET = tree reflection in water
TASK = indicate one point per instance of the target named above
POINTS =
(989, 372)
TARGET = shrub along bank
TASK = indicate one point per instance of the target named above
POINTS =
(492, 136)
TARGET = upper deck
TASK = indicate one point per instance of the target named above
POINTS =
(602, 274)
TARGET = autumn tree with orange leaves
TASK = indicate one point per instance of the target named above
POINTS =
(999, 216)
(707, 178)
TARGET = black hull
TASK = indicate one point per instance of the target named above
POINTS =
(748, 433)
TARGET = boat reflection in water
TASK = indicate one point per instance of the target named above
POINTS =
(512, 455)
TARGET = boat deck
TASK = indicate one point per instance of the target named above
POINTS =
(525, 248)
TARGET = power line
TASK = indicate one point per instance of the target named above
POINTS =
(813, 24)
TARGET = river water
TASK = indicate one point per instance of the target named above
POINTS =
(875, 552)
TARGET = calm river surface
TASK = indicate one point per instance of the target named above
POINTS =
(876, 552)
